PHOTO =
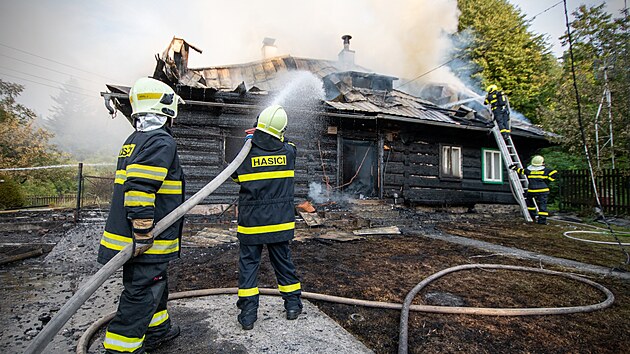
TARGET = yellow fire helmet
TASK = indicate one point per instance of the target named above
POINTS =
(538, 160)
(153, 96)
(273, 121)
(491, 88)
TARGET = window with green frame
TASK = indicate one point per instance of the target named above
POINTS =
(491, 166)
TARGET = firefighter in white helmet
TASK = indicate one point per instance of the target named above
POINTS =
(149, 184)
(266, 215)
(538, 177)
(500, 108)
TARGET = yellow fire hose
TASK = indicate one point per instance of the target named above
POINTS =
(44, 337)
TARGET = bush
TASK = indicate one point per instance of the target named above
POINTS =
(11, 195)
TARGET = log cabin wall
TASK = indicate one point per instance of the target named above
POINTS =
(208, 138)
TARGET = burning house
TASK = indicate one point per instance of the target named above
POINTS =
(355, 132)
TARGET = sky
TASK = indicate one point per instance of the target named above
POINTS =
(44, 44)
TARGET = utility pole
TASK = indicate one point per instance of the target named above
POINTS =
(607, 97)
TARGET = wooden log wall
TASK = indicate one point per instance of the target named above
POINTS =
(411, 167)
(201, 135)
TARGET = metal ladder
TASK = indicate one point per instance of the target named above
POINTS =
(518, 182)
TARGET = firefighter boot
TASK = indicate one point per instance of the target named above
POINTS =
(293, 305)
(542, 220)
(247, 318)
(154, 344)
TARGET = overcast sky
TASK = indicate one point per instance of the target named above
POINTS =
(114, 41)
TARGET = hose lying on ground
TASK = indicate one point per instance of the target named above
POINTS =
(82, 345)
(601, 231)
(44, 337)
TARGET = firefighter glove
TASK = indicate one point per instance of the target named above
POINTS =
(142, 235)
(513, 166)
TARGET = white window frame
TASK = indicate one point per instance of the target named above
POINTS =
(491, 157)
(451, 162)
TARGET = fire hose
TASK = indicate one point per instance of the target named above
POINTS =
(44, 337)
(84, 341)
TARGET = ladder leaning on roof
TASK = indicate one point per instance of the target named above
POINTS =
(518, 182)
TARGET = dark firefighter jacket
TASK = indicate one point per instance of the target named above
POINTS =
(265, 207)
(497, 100)
(149, 184)
(538, 178)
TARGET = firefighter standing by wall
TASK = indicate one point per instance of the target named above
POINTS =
(266, 215)
(500, 108)
(538, 177)
(149, 184)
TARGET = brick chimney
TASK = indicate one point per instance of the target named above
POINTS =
(346, 56)
(268, 49)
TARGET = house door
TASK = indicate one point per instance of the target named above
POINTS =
(359, 167)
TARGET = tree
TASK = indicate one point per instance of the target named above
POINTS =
(82, 128)
(22, 144)
(498, 48)
(600, 45)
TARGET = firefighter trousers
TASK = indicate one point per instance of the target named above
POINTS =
(142, 315)
(541, 201)
(288, 282)
(502, 117)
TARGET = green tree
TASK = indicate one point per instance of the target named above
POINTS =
(494, 38)
(22, 144)
(601, 54)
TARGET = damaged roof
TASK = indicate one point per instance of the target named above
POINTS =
(350, 89)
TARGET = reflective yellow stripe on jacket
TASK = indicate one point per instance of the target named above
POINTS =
(252, 230)
(118, 242)
(265, 175)
(170, 187)
(146, 171)
(137, 198)
(121, 343)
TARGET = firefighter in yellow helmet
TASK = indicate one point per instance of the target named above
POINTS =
(149, 184)
(538, 177)
(266, 215)
(500, 108)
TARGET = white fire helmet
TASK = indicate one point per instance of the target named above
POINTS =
(273, 121)
(153, 96)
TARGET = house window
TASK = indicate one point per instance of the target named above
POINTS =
(450, 162)
(492, 166)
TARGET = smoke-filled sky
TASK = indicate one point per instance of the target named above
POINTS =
(114, 41)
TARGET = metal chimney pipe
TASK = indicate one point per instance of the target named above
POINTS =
(346, 41)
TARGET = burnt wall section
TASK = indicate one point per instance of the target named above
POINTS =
(208, 138)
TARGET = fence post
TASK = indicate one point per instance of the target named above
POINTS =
(79, 190)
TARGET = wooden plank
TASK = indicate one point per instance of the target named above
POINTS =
(311, 219)
(340, 236)
(388, 230)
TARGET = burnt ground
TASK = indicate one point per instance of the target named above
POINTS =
(385, 268)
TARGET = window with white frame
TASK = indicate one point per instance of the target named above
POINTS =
(450, 162)
(492, 166)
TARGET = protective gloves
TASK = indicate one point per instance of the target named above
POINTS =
(142, 235)
(513, 166)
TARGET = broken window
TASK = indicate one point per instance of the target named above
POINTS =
(492, 166)
(450, 162)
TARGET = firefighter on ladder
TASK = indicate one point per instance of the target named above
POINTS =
(149, 184)
(266, 215)
(500, 108)
(538, 177)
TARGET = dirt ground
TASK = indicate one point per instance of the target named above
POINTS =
(385, 268)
